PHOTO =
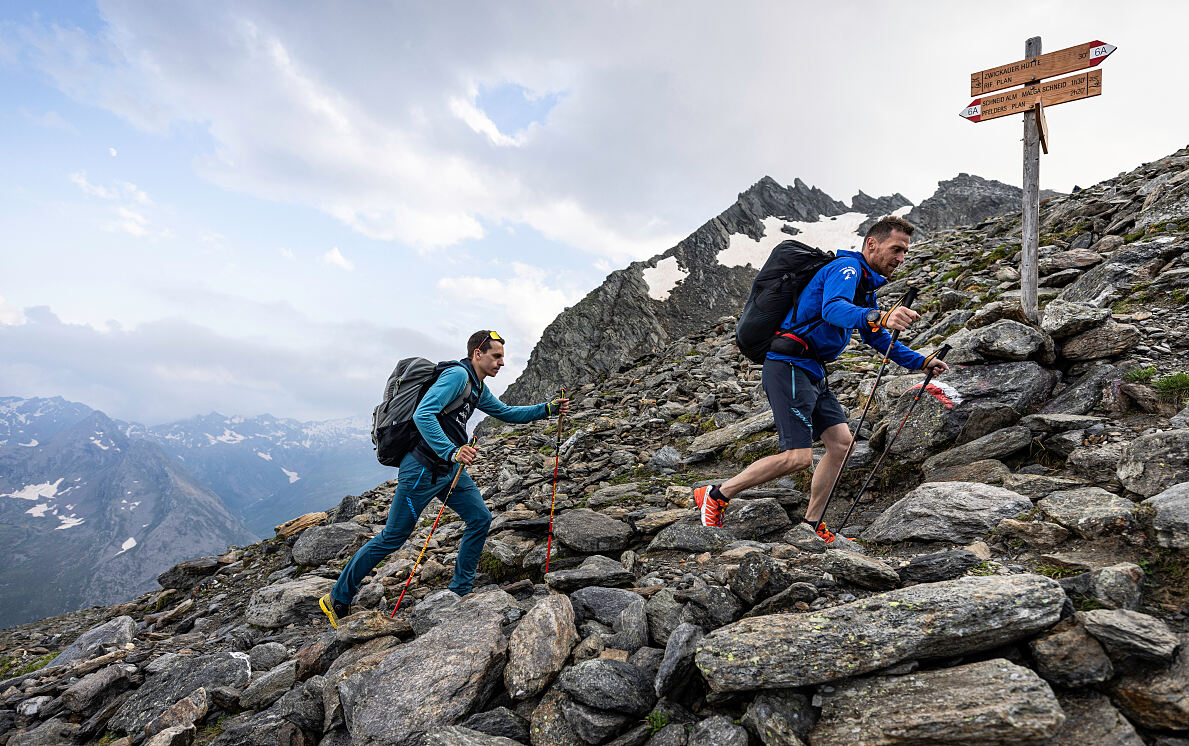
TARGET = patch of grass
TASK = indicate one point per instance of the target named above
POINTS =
(1140, 375)
(982, 568)
(209, 733)
(1180, 297)
(499, 572)
(1052, 571)
(656, 719)
(1133, 237)
(1173, 388)
(1166, 576)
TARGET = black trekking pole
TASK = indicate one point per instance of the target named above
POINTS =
(553, 500)
(906, 301)
(939, 355)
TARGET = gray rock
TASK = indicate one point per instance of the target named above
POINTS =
(290, 719)
(53, 732)
(710, 607)
(861, 571)
(185, 575)
(601, 604)
(1109, 281)
(924, 621)
(671, 735)
(665, 460)
(86, 694)
(1105, 341)
(284, 603)
(270, 687)
(946, 511)
(648, 659)
(1065, 319)
(584, 530)
(995, 445)
(933, 568)
(690, 537)
(1083, 395)
(90, 644)
(500, 722)
(780, 718)
(1130, 633)
(318, 545)
(1005, 340)
(267, 656)
(1089, 511)
(678, 664)
(1063, 260)
(1090, 718)
(437, 678)
(1067, 655)
(184, 712)
(595, 570)
(755, 519)
(1157, 699)
(1180, 419)
(593, 725)
(990, 702)
(1172, 516)
(608, 684)
(1037, 486)
(1152, 463)
(758, 577)
(179, 680)
(178, 735)
(1098, 463)
(631, 628)
(717, 731)
(1119, 586)
(457, 735)
(709, 443)
(548, 726)
(539, 646)
(665, 613)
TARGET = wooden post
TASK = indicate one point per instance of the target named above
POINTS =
(1031, 204)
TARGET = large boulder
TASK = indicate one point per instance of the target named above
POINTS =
(1005, 340)
(584, 530)
(690, 537)
(1089, 511)
(1085, 394)
(177, 680)
(284, 603)
(1105, 341)
(595, 570)
(755, 519)
(1064, 319)
(990, 702)
(1090, 718)
(931, 620)
(540, 645)
(111, 634)
(708, 444)
(947, 511)
(318, 545)
(601, 604)
(1153, 463)
(609, 685)
(992, 446)
(435, 680)
(1157, 699)
(1171, 520)
(1111, 280)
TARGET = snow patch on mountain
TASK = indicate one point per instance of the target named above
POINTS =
(827, 233)
(68, 521)
(265, 456)
(45, 490)
(663, 277)
(291, 474)
(31, 444)
(128, 544)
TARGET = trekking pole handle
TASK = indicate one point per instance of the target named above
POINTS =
(938, 355)
(909, 298)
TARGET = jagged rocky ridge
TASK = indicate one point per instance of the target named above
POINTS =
(648, 304)
(1016, 577)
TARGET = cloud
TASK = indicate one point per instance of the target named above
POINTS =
(478, 121)
(50, 120)
(9, 315)
(171, 369)
(128, 216)
(113, 152)
(336, 258)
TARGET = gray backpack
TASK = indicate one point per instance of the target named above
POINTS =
(393, 431)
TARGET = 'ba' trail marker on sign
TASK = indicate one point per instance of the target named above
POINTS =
(1037, 91)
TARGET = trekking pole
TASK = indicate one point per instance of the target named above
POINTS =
(553, 500)
(905, 301)
(416, 564)
(939, 355)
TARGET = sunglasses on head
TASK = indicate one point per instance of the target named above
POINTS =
(491, 337)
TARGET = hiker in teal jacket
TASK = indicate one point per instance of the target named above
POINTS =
(428, 470)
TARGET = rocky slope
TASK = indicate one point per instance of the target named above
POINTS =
(648, 304)
(1015, 576)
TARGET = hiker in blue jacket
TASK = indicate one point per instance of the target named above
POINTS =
(427, 471)
(838, 299)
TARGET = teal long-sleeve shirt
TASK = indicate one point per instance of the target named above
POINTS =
(445, 390)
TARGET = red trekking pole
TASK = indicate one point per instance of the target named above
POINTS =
(553, 500)
(416, 564)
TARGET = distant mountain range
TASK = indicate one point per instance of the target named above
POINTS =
(92, 508)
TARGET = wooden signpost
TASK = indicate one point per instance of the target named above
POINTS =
(1031, 99)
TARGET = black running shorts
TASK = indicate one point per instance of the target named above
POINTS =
(803, 408)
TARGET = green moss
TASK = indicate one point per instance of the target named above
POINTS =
(1180, 297)
(499, 572)
(1133, 237)
(982, 568)
(1052, 571)
(656, 719)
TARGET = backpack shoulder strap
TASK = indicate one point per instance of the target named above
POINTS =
(466, 391)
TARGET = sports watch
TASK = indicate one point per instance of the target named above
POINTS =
(873, 317)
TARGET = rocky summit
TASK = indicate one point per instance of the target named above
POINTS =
(1014, 574)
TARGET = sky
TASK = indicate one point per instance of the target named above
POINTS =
(252, 207)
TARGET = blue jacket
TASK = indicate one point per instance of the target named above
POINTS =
(447, 388)
(830, 295)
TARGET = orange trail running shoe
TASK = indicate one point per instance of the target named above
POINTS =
(826, 534)
(710, 507)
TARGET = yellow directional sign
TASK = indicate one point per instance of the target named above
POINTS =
(1035, 68)
(1049, 93)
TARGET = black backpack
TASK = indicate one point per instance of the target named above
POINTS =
(789, 268)
(393, 431)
